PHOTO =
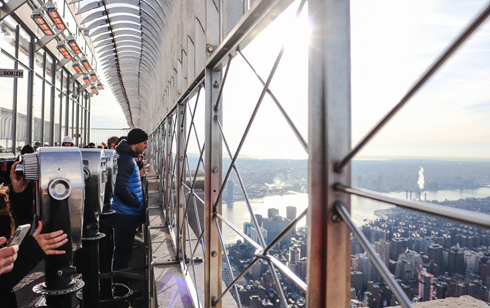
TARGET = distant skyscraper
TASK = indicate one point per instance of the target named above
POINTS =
(291, 215)
(365, 268)
(272, 212)
(456, 261)
(229, 189)
(301, 268)
(291, 212)
(354, 262)
(382, 247)
(246, 228)
(426, 286)
(294, 254)
(275, 225)
(255, 237)
(435, 254)
(293, 267)
(356, 280)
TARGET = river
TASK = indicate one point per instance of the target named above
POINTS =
(362, 209)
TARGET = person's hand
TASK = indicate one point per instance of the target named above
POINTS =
(8, 255)
(50, 241)
(143, 172)
(19, 184)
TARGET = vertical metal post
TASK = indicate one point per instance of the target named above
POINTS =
(180, 235)
(77, 138)
(67, 108)
(89, 124)
(51, 104)
(213, 167)
(43, 105)
(60, 117)
(85, 122)
(329, 135)
(14, 101)
(30, 94)
(168, 169)
(213, 179)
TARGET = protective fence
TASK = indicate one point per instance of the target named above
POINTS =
(193, 186)
(99, 135)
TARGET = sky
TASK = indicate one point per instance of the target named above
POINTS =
(392, 44)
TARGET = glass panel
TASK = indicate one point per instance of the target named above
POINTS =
(24, 46)
(22, 90)
(76, 124)
(47, 115)
(37, 111)
(70, 22)
(63, 115)
(49, 67)
(7, 35)
(59, 74)
(65, 81)
(70, 118)
(57, 115)
(81, 126)
(39, 62)
(6, 103)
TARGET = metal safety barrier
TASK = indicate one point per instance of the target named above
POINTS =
(329, 156)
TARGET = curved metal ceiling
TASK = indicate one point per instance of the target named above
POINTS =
(127, 35)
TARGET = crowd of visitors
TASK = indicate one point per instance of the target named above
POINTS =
(17, 207)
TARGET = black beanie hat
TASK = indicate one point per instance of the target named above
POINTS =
(136, 136)
(27, 149)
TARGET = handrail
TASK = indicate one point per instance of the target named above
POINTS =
(459, 215)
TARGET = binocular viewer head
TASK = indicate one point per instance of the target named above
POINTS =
(58, 175)
(71, 187)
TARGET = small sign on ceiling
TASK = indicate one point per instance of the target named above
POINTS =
(12, 73)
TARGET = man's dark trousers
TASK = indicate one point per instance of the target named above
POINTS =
(124, 232)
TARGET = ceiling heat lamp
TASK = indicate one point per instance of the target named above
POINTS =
(62, 48)
(94, 77)
(86, 65)
(39, 19)
(55, 17)
(78, 68)
(74, 46)
(87, 80)
(100, 86)
(94, 89)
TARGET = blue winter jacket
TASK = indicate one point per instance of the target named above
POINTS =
(128, 193)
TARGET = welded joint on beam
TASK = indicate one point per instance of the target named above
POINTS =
(75, 77)
(46, 39)
(62, 63)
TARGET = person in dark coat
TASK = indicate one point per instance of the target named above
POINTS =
(33, 249)
(128, 197)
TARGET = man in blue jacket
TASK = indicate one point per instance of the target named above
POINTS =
(128, 197)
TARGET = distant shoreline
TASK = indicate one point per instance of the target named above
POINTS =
(382, 213)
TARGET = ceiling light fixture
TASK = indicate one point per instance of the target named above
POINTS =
(77, 68)
(38, 17)
(62, 48)
(86, 65)
(55, 17)
(74, 46)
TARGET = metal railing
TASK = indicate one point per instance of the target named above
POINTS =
(329, 155)
(99, 135)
